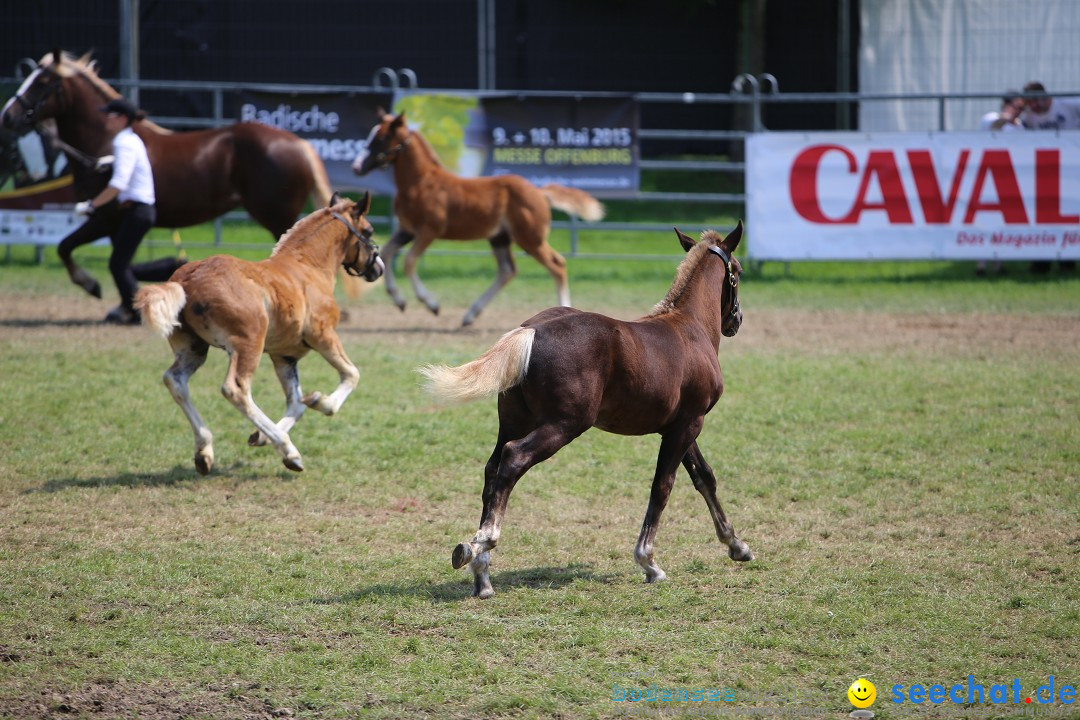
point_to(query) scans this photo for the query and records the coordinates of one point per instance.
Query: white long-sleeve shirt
(131, 173)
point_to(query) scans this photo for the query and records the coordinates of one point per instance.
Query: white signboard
(37, 227)
(956, 196)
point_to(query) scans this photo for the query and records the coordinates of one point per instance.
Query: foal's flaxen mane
(685, 273)
(305, 226)
(84, 66)
(308, 226)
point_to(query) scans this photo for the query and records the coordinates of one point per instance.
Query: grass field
(899, 444)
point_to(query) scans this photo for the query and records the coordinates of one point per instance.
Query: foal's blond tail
(160, 306)
(574, 201)
(499, 369)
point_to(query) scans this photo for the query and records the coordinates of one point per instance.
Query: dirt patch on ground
(43, 317)
(867, 332)
(150, 702)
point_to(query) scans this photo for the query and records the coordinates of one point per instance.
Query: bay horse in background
(431, 202)
(283, 306)
(564, 371)
(198, 175)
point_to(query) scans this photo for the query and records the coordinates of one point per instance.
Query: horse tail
(574, 201)
(499, 369)
(321, 192)
(160, 306)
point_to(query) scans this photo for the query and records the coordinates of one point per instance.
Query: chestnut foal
(283, 306)
(431, 202)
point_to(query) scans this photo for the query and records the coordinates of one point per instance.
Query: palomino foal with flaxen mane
(283, 306)
(431, 202)
(564, 371)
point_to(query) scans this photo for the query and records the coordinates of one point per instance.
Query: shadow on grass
(419, 330)
(42, 322)
(549, 578)
(174, 476)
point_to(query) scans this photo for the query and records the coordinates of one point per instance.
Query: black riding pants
(125, 224)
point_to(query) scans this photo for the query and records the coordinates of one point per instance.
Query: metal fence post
(755, 106)
(129, 46)
(481, 45)
(573, 235)
(389, 73)
(219, 120)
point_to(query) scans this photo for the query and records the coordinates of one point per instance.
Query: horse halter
(733, 280)
(374, 248)
(383, 159)
(55, 87)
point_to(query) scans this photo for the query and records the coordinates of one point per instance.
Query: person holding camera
(1007, 119)
(123, 211)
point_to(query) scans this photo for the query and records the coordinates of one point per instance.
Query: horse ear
(334, 200)
(365, 204)
(733, 238)
(686, 241)
(398, 121)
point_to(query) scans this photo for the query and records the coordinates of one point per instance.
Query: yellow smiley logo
(862, 693)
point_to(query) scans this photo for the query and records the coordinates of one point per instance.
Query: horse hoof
(257, 439)
(294, 464)
(91, 286)
(740, 552)
(86, 281)
(467, 321)
(463, 555)
(203, 464)
(484, 593)
(658, 576)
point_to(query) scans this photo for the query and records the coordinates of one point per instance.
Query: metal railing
(386, 78)
(752, 93)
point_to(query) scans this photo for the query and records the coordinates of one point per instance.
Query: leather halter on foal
(733, 281)
(351, 269)
(384, 159)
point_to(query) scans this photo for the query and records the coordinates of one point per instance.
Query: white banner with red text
(893, 196)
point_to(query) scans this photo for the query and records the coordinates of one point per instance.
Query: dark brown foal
(564, 371)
